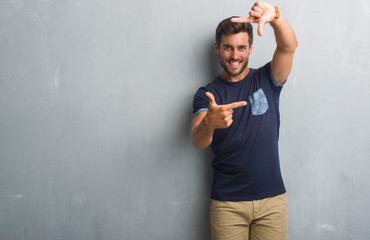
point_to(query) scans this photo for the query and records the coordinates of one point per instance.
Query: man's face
(234, 53)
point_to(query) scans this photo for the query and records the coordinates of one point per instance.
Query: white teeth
(234, 63)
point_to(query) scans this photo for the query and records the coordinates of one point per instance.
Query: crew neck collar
(251, 70)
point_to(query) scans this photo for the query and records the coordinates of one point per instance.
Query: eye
(242, 48)
(227, 48)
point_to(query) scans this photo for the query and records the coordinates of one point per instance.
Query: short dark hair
(226, 27)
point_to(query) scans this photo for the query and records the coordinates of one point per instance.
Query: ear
(251, 49)
(217, 49)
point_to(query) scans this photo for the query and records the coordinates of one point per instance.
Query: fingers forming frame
(243, 19)
(257, 9)
(259, 4)
(255, 14)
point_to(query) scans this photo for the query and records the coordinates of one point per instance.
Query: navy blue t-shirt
(246, 164)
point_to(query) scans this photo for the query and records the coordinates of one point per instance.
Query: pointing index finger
(235, 105)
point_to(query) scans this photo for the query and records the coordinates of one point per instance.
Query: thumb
(260, 28)
(211, 98)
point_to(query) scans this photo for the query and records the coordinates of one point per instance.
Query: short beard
(234, 74)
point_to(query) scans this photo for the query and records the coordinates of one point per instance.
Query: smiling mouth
(234, 63)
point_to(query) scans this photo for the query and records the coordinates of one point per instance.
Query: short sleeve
(266, 72)
(200, 101)
(276, 84)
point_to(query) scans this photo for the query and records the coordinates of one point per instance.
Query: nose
(234, 54)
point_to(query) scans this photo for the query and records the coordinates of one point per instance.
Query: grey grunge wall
(95, 113)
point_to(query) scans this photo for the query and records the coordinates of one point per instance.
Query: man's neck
(237, 78)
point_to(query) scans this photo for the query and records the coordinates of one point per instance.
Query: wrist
(205, 124)
(277, 14)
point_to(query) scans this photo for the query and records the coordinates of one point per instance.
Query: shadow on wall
(213, 67)
(211, 70)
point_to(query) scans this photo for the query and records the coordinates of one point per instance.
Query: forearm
(201, 136)
(286, 40)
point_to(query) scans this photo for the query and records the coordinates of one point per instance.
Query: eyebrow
(228, 45)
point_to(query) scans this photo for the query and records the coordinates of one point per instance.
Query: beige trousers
(265, 219)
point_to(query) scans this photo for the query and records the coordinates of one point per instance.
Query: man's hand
(205, 123)
(261, 13)
(286, 41)
(220, 116)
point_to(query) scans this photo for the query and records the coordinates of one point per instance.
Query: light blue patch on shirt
(200, 110)
(259, 102)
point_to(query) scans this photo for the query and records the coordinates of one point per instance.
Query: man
(238, 115)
